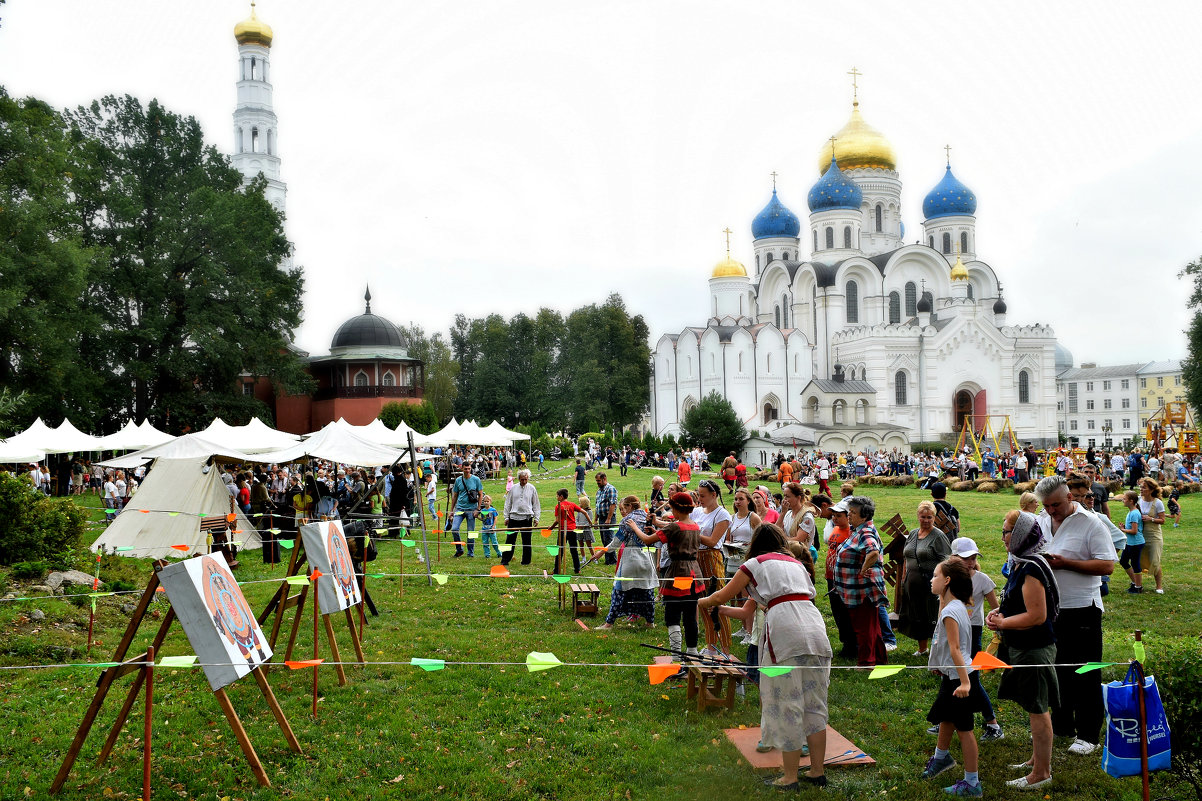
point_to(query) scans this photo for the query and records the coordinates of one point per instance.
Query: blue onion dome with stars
(775, 220)
(835, 190)
(949, 198)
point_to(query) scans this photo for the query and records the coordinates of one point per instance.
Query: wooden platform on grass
(839, 750)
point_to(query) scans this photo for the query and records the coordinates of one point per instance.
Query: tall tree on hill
(714, 425)
(43, 268)
(189, 289)
(606, 365)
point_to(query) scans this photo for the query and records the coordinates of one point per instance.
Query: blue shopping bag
(1121, 757)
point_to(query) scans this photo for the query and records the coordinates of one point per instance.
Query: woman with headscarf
(1024, 620)
(925, 548)
(793, 705)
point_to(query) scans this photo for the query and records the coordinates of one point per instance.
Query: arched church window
(689, 364)
(861, 411)
(880, 215)
(815, 239)
(838, 412)
(964, 241)
(830, 237)
(813, 411)
(769, 257)
(911, 299)
(970, 292)
(740, 363)
(388, 380)
(360, 379)
(1024, 386)
(240, 144)
(847, 236)
(899, 388)
(894, 307)
(814, 308)
(770, 413)
(785, 255)
(931, 241)
(270, 141)
(796, 363)
(853, 302)
(254, 140)
(776, 310)
(740, 305)
(254, 69)
(784, 311)
(757, 261)
(947, 242)
(768, 364)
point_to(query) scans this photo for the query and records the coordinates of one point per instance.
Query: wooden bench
(714, 685)
(585, 599)
(219, 528)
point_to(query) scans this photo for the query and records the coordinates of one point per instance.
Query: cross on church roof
(774, 180)
(728, 232)
(855, 74)
(948, 150)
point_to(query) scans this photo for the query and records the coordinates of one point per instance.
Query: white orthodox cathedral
(869, 342)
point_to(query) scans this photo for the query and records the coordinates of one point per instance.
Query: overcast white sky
(483, 156)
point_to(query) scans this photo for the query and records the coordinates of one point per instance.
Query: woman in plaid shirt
(860, 582)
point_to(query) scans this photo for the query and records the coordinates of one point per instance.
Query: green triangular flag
(441, 578)
(173, 514)
(504, 548)
(536, 661)
(561, 579)
(177, 661)
(408, 543)
(110, 511)
(775, 671)
(428, 664)
(1088, 666)
(381, 531)
(553, 550)
(882, 671)
(1140, 654)
(124, 548)
(297, 581)
(375, 575)
(287, 543)
(95, 664)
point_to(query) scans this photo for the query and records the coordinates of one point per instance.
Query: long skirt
(793, 705)
(631, 602)
(870, 648)
(717, 627)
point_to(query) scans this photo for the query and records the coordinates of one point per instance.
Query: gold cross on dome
(947, 149)
(774, 180)
(855, 74)
(728, 232)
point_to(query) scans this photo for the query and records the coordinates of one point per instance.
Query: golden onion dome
(728, 268)
(959, 271)
(858, 144)
(252, 30)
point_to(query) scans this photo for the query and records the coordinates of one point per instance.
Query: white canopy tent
(468, 434)
(500, 435)
(257, 436)
(166, 511)
(189, 446)
(337, 442)
(64, 439)
(152, 435)
(19, 454)
(128, 438)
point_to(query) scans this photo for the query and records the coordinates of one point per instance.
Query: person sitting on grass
(960, 695)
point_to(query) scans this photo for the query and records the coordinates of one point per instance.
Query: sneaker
(890, 647)
(1160, 590)
(761, 748)
(934, 729)
(992, 733)
(922, 653)
(1021, 783)
(1133, 590)
(935, 766)
(1081, 747)
(963, 788)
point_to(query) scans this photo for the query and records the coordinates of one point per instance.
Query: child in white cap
(964, 549)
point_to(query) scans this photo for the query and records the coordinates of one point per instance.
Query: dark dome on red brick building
(367, 331)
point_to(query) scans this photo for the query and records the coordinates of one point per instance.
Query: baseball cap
(964, 547)
(841, 506)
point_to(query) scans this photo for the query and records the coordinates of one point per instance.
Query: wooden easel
(282, 601)
(137, 664)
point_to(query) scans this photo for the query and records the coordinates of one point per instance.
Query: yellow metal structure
(1172, 426)
(975, 435)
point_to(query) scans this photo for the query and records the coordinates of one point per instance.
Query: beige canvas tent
(181, 486)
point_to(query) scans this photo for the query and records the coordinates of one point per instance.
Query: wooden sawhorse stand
(283, 600)
(714, 685)
(137, 665)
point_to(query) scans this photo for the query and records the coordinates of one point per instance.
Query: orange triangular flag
(546, 532)
(144, 511)
(985, 662)
(499, 571)
(682, 582)
(231, 517)
(659, 673)
(182, 547)
(303, 663)
(316, 574)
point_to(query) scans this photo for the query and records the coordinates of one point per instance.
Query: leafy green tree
(714, 425)
(605, 365)
(1191, 367)
(441, 372)
(189, 288)
(421, 417)
(43, 267)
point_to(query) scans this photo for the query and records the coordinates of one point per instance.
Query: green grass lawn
(500, 731)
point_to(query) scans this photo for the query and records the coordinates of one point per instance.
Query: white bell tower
(256, 135)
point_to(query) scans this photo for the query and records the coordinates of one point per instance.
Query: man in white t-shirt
(112, 500)
(1080, 553)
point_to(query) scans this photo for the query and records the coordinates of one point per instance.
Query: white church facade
(869, 342)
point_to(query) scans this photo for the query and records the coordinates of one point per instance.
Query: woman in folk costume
(713, 522)
(680, 575)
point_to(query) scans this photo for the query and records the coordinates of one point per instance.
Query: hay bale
(962, 486)
(987, 486)
(1026, 486)
(1004, 483)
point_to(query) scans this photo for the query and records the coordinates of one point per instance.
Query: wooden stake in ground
(316, 614)
(146, 723)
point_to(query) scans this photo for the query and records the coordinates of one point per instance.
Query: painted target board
(327, 550)
(216, 617)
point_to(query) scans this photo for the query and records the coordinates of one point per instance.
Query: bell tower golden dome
(857, 144)
(252, 30)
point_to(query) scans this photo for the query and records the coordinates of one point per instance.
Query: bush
(36, 527)
(29, 570)
(421, 417)
(1177, 666)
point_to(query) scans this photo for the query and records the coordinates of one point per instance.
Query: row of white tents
(367, 445)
